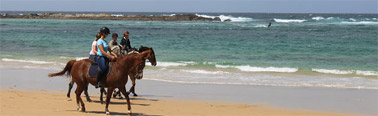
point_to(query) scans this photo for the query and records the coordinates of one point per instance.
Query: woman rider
(102, 49)
(93, 52)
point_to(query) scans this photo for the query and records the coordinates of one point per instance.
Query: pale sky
(242, 6)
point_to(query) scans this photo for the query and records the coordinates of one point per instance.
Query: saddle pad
(94, 69)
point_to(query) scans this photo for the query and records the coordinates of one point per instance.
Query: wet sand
(24, 91)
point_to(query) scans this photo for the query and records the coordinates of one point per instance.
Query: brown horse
(117, 77)
(151, 59)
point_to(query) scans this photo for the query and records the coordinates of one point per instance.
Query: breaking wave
(289, 20)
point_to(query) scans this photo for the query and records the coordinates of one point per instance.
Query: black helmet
(105, 30)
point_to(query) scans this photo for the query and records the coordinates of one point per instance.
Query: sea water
(304, 50)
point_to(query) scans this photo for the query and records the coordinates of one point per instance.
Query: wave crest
(289, 20)
(26, 61)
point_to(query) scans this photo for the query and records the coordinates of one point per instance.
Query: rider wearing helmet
(102, 49)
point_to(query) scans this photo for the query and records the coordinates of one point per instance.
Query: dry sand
(53, 102)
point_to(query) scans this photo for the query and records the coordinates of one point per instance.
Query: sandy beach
(42, 102)
(31, 92)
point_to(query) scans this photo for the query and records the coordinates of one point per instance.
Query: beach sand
(31, 92)
(44, 103)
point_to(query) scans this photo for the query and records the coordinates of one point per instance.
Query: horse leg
(132, 89)
(86, 94)
(102, 90)
(108, 97)
(70, 85)
(78, 92)
(119, 94)
(123, 90)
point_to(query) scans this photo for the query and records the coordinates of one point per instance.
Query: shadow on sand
(114, 113)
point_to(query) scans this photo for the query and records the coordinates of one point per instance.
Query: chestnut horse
(151, 59)
(117, 78)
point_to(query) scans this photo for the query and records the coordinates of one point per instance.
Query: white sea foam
(367, 73)
(229, 17)
(80, 58)
(205, 72)
(222, 66)
(352, 19)
(266, 69)
(317, 18)
(361, 22)
(332, 71)
(167, 64)
(26, 61)
(330, 18)
(260, 26)
(116, 15)
(289, 20)
(169, 15)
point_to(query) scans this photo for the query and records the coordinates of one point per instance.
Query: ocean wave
(289, 20)
(367, 73)
(205, 72)
(317, 18)
(167, 64)
(222, 66)
(260, 26)
(26, 61)
(361, 22)
(266, 69)
(116, 15)
(264, 84)
(336, 71)
(332, 71)
(229, 17)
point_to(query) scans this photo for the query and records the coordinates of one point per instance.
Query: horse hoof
(107, 113)
(89, 100)
(82, 110)
(135, 95)
(69, 99)
(129, 112)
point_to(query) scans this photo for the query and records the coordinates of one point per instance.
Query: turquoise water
(311, 44)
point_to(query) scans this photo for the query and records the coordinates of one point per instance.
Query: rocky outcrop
(178, 17)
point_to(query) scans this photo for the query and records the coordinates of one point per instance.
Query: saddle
(94, 69)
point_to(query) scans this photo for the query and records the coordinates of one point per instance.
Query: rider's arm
(94, 47)
(103, 52)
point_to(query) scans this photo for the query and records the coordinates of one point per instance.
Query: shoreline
(332, 100)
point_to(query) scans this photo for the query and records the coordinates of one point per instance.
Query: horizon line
(187, 12)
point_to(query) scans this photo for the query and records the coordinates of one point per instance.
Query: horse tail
(66, 69)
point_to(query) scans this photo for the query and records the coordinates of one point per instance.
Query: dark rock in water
(178, 17)
(227, 20)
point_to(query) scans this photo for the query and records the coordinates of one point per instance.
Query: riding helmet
(105, 30)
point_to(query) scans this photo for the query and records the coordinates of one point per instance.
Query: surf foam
(332, 71)
(317, 18)
(229, 17)
(289, 20)
(26, 61)
(205, 72)
(266, 69)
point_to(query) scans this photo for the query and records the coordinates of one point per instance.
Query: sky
(222, 6)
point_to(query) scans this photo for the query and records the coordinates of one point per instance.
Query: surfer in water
(270, 24)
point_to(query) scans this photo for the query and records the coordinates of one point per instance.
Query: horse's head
(150, 52)
(137, 69)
